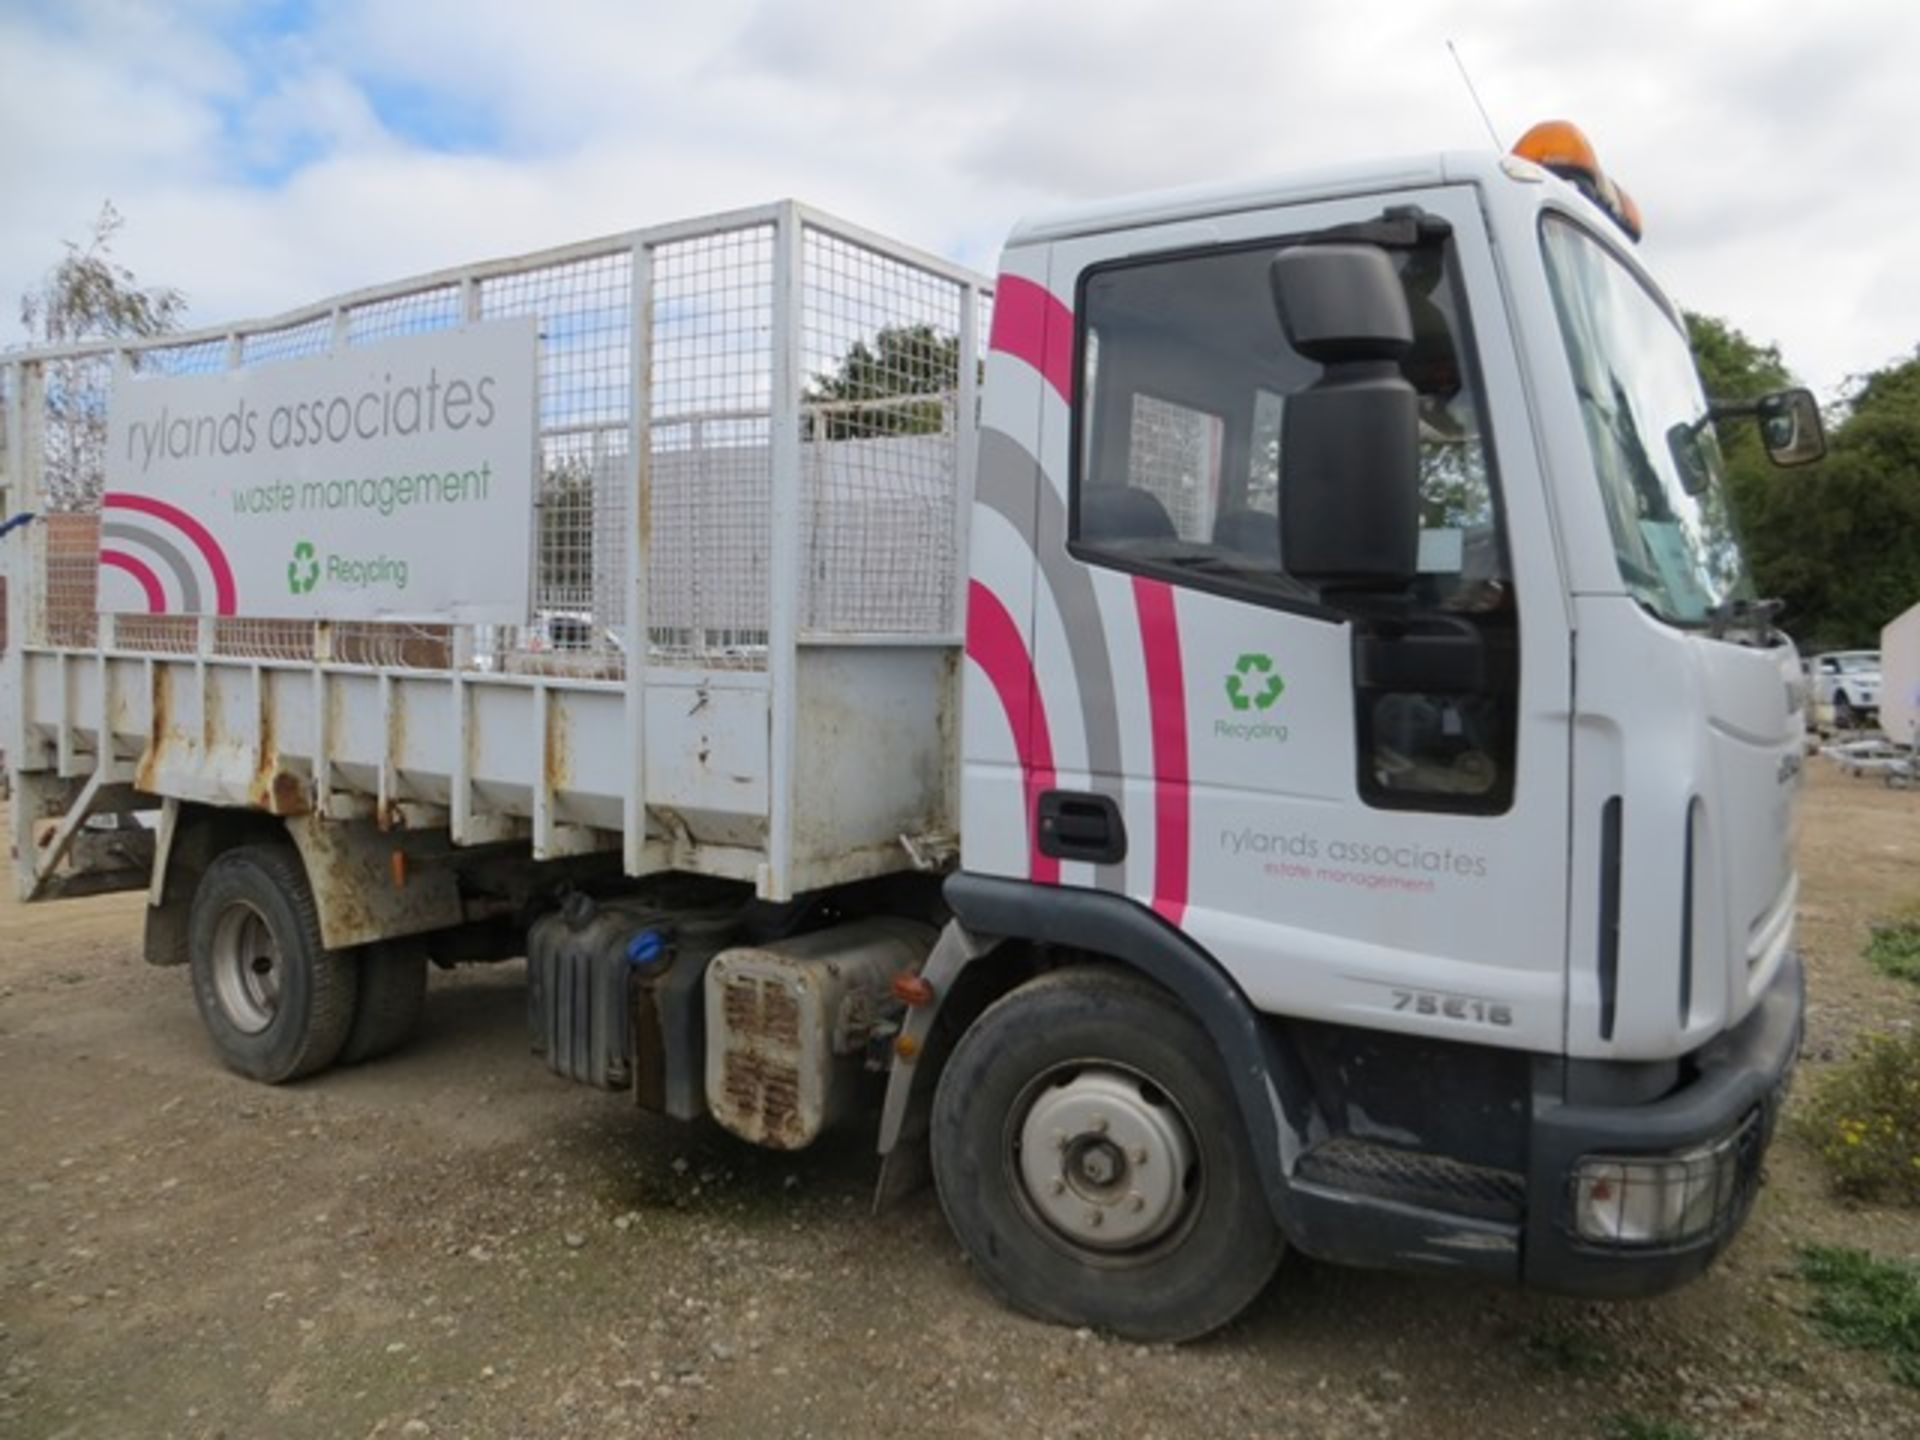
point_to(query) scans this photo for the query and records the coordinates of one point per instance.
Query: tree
(1839, 541)
(87, 296)
(871, 392)
(1866, 532)
(1732, 367)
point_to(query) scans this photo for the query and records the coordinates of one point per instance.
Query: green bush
(1867, 1304)
(1895, 950)
(1864, 1120)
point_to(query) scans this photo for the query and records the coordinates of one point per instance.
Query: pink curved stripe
(995, 644)
(1167, 712)
(1030, 325)
(143, 573)
(225, 601)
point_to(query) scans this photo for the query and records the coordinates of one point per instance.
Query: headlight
(1655, 1199)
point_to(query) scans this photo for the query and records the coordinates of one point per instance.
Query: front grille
(1414, 1177)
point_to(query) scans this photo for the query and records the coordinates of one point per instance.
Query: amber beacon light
(1562, 147)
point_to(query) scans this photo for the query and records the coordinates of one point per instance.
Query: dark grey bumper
(1739, 1083)
(1736, 1088)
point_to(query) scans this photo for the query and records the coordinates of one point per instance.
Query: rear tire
(393, 994)
(1091, 1093)
(276, 1002)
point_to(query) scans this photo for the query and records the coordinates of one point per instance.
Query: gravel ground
(454, 1243)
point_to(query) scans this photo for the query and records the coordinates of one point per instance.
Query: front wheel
(1090, 1158)
(276, 1002)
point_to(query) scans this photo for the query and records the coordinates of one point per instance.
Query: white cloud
(257, 172)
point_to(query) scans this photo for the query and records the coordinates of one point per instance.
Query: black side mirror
(1350, 442)
(1790, 427)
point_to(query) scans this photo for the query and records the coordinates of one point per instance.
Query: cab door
(1353, 838)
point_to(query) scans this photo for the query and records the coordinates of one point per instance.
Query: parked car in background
(1845, 689)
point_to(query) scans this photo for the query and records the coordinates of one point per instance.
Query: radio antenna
(1474, 95)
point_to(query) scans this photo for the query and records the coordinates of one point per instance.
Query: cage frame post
(638, 536)
(783, 561)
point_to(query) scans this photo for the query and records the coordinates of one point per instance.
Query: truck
(1249, 730)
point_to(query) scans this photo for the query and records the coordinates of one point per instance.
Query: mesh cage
(881, 379)
(585, 310)
(881, 341)
(711, 452)
(288, 342)
(69, 428)
(196, 357)
(440, 308)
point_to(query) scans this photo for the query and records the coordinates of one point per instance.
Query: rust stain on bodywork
(558, 760)
(270, 788)
(160, 717)
(387, 814)
(290, 794)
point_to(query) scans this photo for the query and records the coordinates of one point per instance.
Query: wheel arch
(999, 929)
(192, 836)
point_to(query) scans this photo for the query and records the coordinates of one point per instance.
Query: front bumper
(1737, 1088)
(1519, 1226)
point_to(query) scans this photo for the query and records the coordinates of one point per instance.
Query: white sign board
(385, 482)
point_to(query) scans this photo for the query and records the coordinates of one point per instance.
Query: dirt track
(452, 1242)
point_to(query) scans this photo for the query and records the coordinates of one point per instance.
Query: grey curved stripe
(175, 561)
(1011, 484)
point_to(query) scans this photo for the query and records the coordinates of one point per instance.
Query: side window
(1183, 396)
(1185, 385)
(1174, 456)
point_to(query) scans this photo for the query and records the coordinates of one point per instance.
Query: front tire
(276, 1002)
(1090, 1157)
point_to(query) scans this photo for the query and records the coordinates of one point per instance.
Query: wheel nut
(1060, 1141)
(1136, 1202)
(1140, 1155)
(1059, 1187)
(1098, 1125)
(1096, 1219)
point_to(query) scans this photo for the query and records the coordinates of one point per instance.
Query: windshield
(1647, 425)
(1861, 664)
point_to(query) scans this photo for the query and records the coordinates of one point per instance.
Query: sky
(272, 153)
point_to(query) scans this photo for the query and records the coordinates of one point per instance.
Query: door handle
(1079, 825)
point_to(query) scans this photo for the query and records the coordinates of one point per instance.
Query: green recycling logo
(303, 570)
(1254, 684)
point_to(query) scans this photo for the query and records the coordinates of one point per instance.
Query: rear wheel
(1091, 1160)
(392, 997)
(276, 1002)
(1845, 717)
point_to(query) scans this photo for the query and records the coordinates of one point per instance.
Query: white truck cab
(1359, 639)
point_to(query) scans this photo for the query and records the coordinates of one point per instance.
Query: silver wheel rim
(247, 968)
(1104, 1158)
